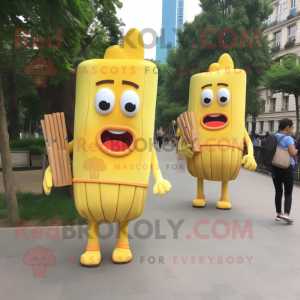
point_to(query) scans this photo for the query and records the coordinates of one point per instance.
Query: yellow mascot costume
(112, 147)
(217, 99)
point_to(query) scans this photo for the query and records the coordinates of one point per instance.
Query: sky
(143, 14)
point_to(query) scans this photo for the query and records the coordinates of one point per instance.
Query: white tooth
(214, 116)
(116, 132)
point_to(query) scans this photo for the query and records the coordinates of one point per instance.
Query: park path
(25, 181)
(261, 262)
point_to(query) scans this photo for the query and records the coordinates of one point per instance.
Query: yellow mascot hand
(249, 162)
(161, 186)
(48, 181)
(188, 151)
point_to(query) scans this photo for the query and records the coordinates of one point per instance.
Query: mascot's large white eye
(130, 103)
(207, 97)
(104, 101)
(223, 96)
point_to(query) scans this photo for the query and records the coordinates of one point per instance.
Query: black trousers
(160, 140)
(283, 177)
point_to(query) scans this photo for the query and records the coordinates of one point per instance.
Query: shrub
(27, 142)
(34, 150)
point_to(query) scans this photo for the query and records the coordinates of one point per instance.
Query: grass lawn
(42, 210)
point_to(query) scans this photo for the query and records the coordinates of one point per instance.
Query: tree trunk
(297, 116)
(29, 128)
(61, 98)
(253, 127)
(11, 198)
(14, 126)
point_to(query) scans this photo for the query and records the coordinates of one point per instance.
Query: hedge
(34, 150)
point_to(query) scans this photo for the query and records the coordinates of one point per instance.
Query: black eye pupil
(130, 107)
(207, 100)
(223, 99)
(103, 105)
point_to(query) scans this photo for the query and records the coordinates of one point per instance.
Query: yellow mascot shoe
(223, 204)
(122, 253)
(199, 202)
(92, 256)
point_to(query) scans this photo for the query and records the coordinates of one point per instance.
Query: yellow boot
(224, 201)
(92, 256)
(122, 253)
(200, 201)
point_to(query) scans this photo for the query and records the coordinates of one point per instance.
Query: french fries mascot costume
(112, 155)
(217, 99)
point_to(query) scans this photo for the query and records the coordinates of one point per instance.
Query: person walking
(284, 176)
(263, 141)
(160, 135)
(257, 141)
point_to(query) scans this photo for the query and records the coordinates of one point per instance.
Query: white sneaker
(278, 217)
(287, 219)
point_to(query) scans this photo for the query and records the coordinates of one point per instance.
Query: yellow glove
(188, 151)
(161, 186)
(249, 162)
(48, 181)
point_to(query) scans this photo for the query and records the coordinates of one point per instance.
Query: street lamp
(173, 125)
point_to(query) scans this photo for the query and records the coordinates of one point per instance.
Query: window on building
(294, 4)
(279, 12)
(271, 126)
(277, 39)
(264, 106)
(269, 20)
(292, 33)
(285, 104)
(273, 104)
(261, 126)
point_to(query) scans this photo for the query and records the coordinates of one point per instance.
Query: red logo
(39, 258)
(40, 68)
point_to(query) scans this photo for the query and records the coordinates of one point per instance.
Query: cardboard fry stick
(63, 121)
(187, 121)
(44, 132)
(59, 148)
(194, 133)
(50, 150)
(45, 137)
(185, 128)
(64, 150)
(55, 151)
(182, 130)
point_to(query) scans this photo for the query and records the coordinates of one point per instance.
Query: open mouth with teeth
(116, 140)
(214, 121)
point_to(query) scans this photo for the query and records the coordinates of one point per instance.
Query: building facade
(283, 26)
(173, 17)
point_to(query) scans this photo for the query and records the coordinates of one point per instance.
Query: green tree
(100, 30)
(16, 84)
(284, 77)
(165, 111)
(254, 107)
(45, 19)
(232, 26)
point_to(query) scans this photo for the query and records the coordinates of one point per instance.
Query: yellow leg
(200, 201)
(122, 253)
(92, 256)
(224, 202)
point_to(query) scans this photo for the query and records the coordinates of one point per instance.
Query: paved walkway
(25, 181)
(222, 266)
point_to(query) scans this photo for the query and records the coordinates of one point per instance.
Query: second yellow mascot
(218, 99)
